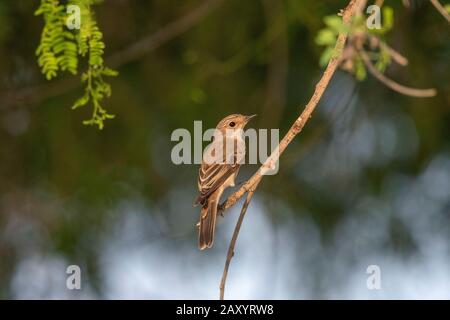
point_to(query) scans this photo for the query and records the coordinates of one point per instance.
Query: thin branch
(162, 36)
(420, 93)
(300, 122)
(230, 253)
(441, 9)
(396, 56)
(36, 94)
(250, 186)
(240, 58)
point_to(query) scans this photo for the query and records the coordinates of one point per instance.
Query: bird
(220, 165)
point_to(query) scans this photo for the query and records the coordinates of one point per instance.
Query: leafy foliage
(61, 48)
(57, 49)
(327, 37)
(96, 89)
(359, 34)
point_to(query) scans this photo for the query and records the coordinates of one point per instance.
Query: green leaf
(326, 56)
(109, 72)
(360, 70)
(384, 60)
(335, 23)
(388, 19)
(81, 101)
(325, 37)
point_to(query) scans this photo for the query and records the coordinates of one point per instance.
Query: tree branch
(251, 185)
(396, 56)
(441, 9)
(162, 36)
(230, 253)
(420, 93)
(300, 122)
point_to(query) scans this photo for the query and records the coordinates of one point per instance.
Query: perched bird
(218, 170)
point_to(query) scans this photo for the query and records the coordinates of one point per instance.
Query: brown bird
(219, 168)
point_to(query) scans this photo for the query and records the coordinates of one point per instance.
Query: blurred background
(367, 182)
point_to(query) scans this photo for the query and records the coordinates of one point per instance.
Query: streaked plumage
(218, 171)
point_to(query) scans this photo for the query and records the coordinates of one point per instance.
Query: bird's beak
(248, 118)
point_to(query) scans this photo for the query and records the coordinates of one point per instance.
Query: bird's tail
(207, 224)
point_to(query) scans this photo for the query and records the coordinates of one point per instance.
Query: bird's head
(234, 122)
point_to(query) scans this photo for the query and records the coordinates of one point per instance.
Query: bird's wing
(212, 175)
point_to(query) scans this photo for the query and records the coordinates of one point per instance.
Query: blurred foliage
(328, 36)
(333, 26)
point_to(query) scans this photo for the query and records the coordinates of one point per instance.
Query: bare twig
(243, 55)
(396, 56)
(36, 94)
(300, 122)
(230, 253)
(250, 186)
(420, 93)
(439, 7)
(162, 36)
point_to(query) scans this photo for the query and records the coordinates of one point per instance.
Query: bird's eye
(232, 124)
